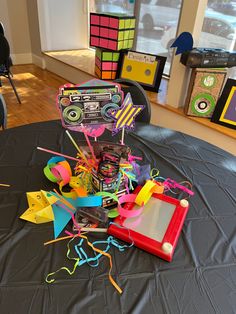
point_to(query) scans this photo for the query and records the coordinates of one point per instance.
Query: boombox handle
(139, 97)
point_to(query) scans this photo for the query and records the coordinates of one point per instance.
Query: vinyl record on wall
(203, 104)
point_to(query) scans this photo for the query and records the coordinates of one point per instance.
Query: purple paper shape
(231, 110)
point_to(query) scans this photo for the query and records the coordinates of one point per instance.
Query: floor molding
(21, 58)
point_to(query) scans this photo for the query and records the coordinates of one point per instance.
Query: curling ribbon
(70, 272)
(173, 184)
(147, 190)
(83, 258)
(110, 260)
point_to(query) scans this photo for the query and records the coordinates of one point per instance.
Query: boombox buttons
(116, 99)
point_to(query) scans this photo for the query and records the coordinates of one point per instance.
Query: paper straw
(122, 136)
(90, 146)
(56, 153)
(3, 184)
(76, 146)
(93, 229)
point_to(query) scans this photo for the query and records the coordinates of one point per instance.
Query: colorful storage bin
(106, 63)
(112, 31)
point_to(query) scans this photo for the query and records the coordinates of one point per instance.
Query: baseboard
(39, 61)
(21, 58)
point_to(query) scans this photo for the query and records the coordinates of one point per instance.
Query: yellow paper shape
(40, 209)
(137, 70)
(146, 192)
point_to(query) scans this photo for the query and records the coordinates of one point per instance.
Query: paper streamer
(147, 190)
(128, 198)
(89, 201)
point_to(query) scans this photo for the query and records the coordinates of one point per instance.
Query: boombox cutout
(203, 92)
(83, 105)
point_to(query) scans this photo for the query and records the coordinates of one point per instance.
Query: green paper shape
(107, 56)
(99, 53)
(125, 44)
(116, 56)
(121, 35)
(130, 43)
(126, 34)
(120, 45)
(132, 23)
(113, 213)
(131, 34)
(121, 24)
(127, 23)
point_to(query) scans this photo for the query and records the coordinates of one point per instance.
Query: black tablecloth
(200, 279)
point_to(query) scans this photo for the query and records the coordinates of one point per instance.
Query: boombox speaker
(203, 92)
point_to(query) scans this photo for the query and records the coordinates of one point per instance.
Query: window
(154, 18)
(219, 28)
(156, 27)
(112, 6)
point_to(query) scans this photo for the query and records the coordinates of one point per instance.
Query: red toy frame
(164, 249)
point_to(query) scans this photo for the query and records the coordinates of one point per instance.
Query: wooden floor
(37, 89)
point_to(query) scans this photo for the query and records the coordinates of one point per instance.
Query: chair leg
(14, 88)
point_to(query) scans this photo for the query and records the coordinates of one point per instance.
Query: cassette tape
(89, 108)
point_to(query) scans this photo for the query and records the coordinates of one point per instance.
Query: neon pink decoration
(112, 45)
(128, 198)
(173, 185)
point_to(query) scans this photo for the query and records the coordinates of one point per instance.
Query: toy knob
(184, 203)
(167, 247)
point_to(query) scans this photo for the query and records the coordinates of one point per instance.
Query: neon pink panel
(114, 23)
(94, 19)
(112, 45)
(104, 21)
(113, 34)
(107, 66)
(94, 41)
(104, 32)
(114, 66)
(94, 30)
(103, 43)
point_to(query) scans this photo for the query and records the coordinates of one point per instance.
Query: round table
(200, 279)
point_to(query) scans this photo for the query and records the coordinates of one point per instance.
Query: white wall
(168, 119)
(62, 26)
(13, 14)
